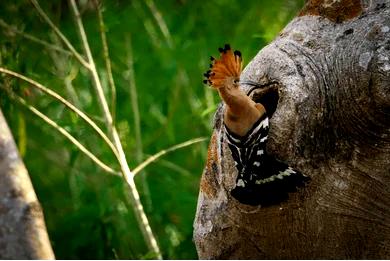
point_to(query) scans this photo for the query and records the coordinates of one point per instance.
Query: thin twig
(96, 80)
(163, 152)
(33, 38)
(60, 34)
(148, 24)
(107, 60)
(59, 98)
(137, 120)
(126, 172)
(161, 22)
(173, 166)
(72, 139)
(134, 99)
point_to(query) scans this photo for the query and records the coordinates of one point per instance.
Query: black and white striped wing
(262, 180)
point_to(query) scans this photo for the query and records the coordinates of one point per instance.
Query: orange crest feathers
(229, 65)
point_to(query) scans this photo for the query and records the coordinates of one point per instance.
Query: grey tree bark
(330, 67)
(23, 232)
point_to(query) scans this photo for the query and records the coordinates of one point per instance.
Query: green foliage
(168, 43)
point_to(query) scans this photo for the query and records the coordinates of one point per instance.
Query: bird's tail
(229, 65)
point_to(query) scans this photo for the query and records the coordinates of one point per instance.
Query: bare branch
(163, 152)
(161, 22)
(61, 130)
(96, 80)
(33, 38)
(126, 172)
(60, 34)
(66, 103)
(137, 121)
(107, 60)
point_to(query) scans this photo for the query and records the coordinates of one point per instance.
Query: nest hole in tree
(267, 95)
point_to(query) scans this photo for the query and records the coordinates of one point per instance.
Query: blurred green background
(159, 49)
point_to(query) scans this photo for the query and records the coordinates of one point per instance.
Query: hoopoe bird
(261, 180)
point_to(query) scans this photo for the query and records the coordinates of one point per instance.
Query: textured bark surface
(332, 69)
(22, 228)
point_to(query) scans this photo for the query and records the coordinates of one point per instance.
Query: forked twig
(137, 119)
(126, 172)
(60, 34)
(58, 97)
(64, 132)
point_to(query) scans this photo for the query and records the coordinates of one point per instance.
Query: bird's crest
(229, 65)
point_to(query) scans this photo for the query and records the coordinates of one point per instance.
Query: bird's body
(261, 179)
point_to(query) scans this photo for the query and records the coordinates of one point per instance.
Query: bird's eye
(236, 81)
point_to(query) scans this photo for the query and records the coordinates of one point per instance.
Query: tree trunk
(22, 227)
(331, 67)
